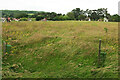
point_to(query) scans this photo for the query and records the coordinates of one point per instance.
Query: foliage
(106, 30)
(23, 19)
(20, 15)
(39, 17)
(71, 15)
(81, 17)
(75, 14)
(115, 18)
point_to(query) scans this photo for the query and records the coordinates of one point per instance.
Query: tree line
(75, 14)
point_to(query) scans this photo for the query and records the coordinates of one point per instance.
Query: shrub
(39, 17)
(33, 19)
(23, 19)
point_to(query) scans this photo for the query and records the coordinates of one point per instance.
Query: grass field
(60, 49)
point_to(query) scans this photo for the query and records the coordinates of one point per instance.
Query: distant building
(8, 19)
(3, 19)
(14, 19)
(29, 19)
(88, 19)
(100, 19)
(45, 19)
(105, 20)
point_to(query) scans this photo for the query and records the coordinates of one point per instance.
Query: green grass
(60, 49)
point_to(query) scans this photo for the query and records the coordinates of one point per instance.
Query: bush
(66, 17)
(39, 17)
(33, 19)
(23, 19)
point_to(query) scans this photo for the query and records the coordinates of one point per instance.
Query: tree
(52, 15)
(81, 17)
(115, 18)
(71, 15)
(94, 16)
(76, 13)
(20, 15)
(59, 18)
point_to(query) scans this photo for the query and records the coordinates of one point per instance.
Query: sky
(59, 6)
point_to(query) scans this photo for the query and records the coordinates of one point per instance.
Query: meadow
(60, 49)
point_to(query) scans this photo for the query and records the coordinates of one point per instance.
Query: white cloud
(59, 6)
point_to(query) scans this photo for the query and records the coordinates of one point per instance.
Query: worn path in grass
(60, 49)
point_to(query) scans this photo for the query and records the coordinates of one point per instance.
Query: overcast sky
(59, 6)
